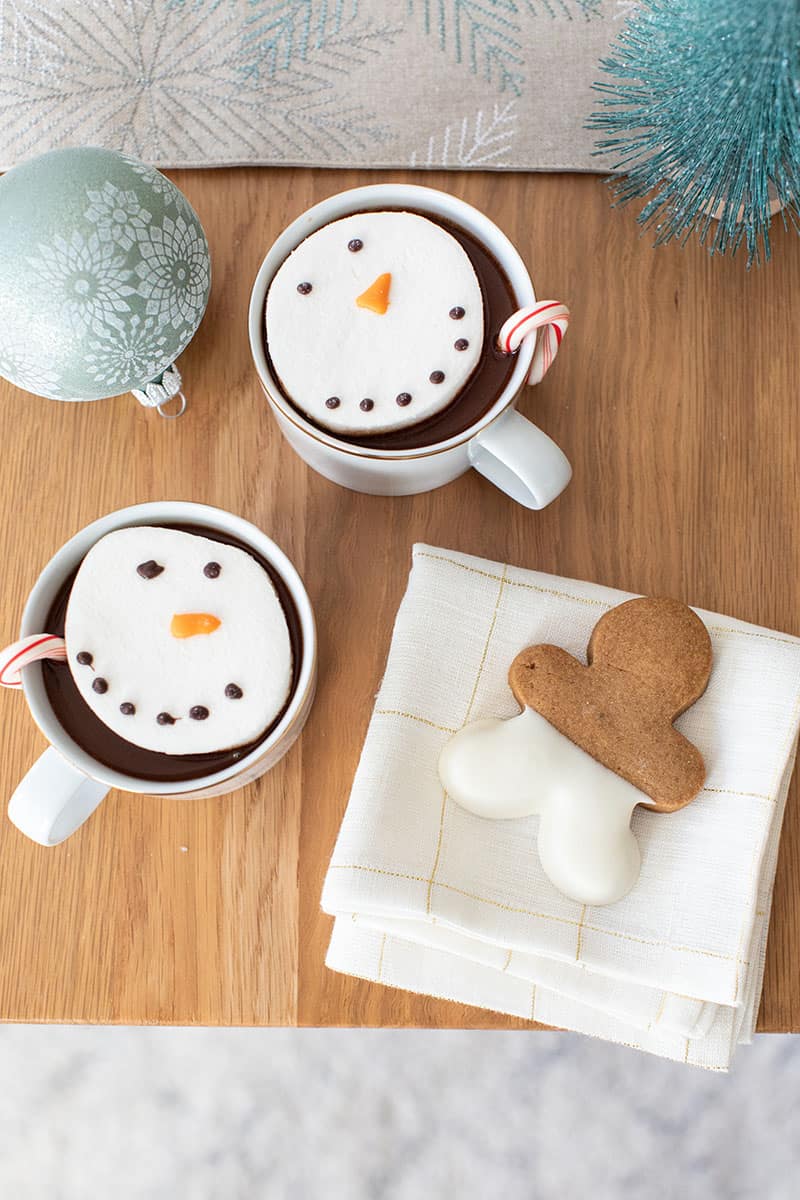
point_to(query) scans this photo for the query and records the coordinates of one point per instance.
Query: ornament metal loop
(172, 416)
(158, 394)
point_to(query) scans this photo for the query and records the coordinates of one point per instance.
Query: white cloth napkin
(430, 898)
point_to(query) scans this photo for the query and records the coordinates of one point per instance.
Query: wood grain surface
(675, 397)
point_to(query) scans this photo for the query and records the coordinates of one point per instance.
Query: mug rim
(72, 552)
(368, 198)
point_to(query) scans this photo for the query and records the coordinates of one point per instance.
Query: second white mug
(66, 784)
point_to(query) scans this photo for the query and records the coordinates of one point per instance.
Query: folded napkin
(430, 898)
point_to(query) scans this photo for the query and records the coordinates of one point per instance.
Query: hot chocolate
(419, 340)
(151, 693)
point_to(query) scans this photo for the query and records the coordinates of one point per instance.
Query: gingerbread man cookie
(591, 743)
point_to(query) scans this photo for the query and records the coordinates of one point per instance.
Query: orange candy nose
(184, 625)
(376, 297)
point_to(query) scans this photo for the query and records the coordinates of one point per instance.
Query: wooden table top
(675, 399)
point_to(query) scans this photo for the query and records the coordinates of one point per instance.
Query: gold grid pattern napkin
(430, 898)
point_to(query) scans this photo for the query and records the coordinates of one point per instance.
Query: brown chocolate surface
(487, 380)
(649, 660)
(78, 720)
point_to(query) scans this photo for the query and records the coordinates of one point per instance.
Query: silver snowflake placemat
(373, 83)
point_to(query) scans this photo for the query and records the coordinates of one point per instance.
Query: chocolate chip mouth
(197, 712)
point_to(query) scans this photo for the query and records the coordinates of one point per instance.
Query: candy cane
(26, 651)
(549, 316)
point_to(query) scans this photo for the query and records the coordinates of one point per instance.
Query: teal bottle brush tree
(701, 114)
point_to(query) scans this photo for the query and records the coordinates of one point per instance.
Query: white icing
(523, 766)
(124, 622)
(323, 344)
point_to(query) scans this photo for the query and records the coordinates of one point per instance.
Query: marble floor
(242, 1114)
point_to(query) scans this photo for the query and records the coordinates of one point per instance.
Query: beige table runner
(373, 83)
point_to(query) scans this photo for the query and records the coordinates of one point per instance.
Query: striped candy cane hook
(26, 651)
(549, 316)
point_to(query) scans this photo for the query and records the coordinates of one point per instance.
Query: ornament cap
(158, 393)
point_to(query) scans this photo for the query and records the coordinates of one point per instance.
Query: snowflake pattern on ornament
(87, 276)
(117, 214)
(135, 352)
(95, 277)
(159, 183)
(173, 273)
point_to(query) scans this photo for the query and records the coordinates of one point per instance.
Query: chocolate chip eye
(100, 685)
(355, 244)
(127, 709)
(233, 691)
(165, 718)
(211, 570)
(149, 569)
(199, 712)
(304, 288)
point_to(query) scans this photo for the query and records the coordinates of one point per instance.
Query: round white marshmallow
(124, 620)
(325, 347)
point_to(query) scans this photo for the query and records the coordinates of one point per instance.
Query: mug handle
(521, 460)
(53, 800)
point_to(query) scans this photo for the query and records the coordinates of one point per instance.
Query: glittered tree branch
(702, 117)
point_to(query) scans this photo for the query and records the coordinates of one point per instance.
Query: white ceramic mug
(503, 445)
(65, 785)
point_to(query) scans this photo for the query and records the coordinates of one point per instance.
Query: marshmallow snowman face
(375, 322)
(178, 643)
(523, 766)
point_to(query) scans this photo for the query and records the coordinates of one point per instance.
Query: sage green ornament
(104, 277)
